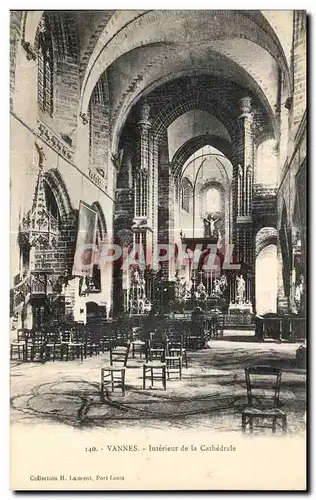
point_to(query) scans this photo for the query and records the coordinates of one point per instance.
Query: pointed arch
(101, 219)
(58, 187)
(194, 144)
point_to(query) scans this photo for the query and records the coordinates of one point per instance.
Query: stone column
(243, 234)
(142, 208)
(143, 192)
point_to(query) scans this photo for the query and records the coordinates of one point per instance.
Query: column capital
(245, 108)
(144, 111)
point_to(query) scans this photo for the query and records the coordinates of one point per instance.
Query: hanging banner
(86, 241)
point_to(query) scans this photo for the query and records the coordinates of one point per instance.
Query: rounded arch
(266, 283)
(240, 76)
(192, 145)
(265, 236)
(215, 104)
(202, 157)
(137, 27)
(211, 184)
(217, 200)
(58, 187)
(262, 137)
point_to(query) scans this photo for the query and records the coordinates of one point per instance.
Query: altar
(244, 308)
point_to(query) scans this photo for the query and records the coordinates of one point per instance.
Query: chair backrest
(176, 342)
(136, 332)
(22, 334)
(67, 336)
(52, 336)
(263, 384)
(37, 337)
(156, 347)
(119, 354)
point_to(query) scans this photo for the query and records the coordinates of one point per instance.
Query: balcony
(264, 202)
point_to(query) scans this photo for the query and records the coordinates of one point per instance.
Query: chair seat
(154, 364)
(18, 343)
(138, 343)
(272, 412)
(114, 368)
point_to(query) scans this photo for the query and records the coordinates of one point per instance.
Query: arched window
(239, 191)
(51, 203)
(186, 195)
(267, 163)
(213, 200)
(45, 67)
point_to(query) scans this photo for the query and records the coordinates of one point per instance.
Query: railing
(55, 141)
(281, 328)
(264, 200)
(238, 320)
(262, 191)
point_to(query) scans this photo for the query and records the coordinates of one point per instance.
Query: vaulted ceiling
(139, 50)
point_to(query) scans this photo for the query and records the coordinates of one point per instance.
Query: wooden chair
(173, 360)
(106, 342)
(195, 342)
(72, 345)
(114, 374)
(176, 347)
(92, 344)
(53, 346)
(138, 345)
(75, 350)
(261, 381)
(155, 361)
(18, 345)
(35, 345)
(156, 349)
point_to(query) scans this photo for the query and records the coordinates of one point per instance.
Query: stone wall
(299, 68)
(100, 126)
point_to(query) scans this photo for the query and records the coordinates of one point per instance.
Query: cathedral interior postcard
(158, 242)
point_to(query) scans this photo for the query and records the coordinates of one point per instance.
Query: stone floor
(211, 394)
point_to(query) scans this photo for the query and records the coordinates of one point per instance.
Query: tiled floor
(211, 393)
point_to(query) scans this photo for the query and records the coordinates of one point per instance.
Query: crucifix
(209, 225)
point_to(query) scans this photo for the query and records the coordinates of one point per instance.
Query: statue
(136, 277)
(188, 289)
(219, 240)
(209, 225)
(217, 287)
(200, 293)
(223, 282)
(240, 289)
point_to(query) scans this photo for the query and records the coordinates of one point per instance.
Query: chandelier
(39, 226)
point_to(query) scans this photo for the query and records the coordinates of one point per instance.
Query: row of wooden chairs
(262, 411)
(262, 382)
(163, 358)
(58, 345)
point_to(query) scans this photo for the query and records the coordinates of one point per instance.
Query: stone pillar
(142, 208)
(299, 68)
(243, 234)
(166, 201)
(143, 194)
